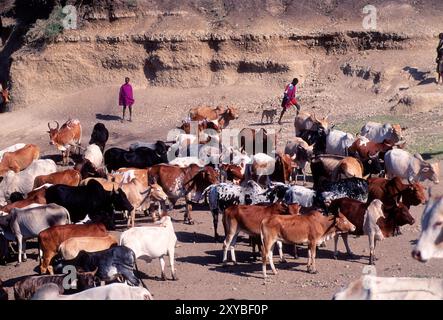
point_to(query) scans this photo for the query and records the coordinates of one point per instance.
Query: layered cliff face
(207, 43)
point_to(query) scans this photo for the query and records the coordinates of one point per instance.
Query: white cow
(370, 287)
(153, 242)
(402, 164)
(114, 291)
(26, 223)
(430, 243)
(338, 142)
(23, 181)
(378, 132)
(12, 148)
(301, 195)
(94, 155)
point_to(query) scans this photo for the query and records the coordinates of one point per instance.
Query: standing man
(126, 98)
(440, 57)
(289, 98)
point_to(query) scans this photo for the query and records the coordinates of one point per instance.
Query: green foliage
(46, 31)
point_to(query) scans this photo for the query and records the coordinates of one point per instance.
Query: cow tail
(136, 269)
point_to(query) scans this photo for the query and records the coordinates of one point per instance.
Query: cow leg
(280, 252)
(348, 248)
(215, 223)
(25, 257)
(271, 259)
(228, 243)
(311, 257)
(46, 264)
(188, 209)
(372, 243)
(20, 249)
(131, 219)
(336, 246)
(162, 266)
(295, 252)
(171, 253)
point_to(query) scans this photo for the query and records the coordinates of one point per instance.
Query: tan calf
(70, 248)
(247, 218)
(68, 177)
(313, 229)
(19, 159)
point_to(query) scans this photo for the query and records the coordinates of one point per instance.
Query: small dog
(269, 114)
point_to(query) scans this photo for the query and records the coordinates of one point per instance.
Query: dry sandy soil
(352, 78)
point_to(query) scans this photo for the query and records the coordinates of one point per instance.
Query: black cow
(16, 196)
(316, 138)
(108, 264)
(373, 165)
(91, 200)
(116, 158)
(354, 188)
(88, 170)
(99, 136)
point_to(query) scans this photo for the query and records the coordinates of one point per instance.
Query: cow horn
(58, 125)
(49, 125)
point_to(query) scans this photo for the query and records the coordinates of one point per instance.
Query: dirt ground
(198, 258)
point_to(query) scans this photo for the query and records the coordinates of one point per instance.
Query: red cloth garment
(290, 92)
(126, 97)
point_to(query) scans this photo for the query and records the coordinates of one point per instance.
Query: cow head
(342, 224)
(430, 243)
(231, 113)
(414, 195)
(320, 124)
(120, 201)
(400, 214)
(53, 132)
(156, 192)
(373, 165)
(430, 171)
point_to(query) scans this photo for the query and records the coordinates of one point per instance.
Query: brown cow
(390, 192)
(313, 229)
(355, 211)
(140, 174)
(219, 115)
(69, 135)
(333, 168)
(247, 218)
(232, 172)
(189, 182)
(35, 196)
(68, 177)
(51, 238)
(70, 248)
(283, 168)
(19, 159)
(364, 149)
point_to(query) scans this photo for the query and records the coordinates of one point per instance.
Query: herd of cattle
(362, 185)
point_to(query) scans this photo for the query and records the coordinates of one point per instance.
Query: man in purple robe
(126, 99)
